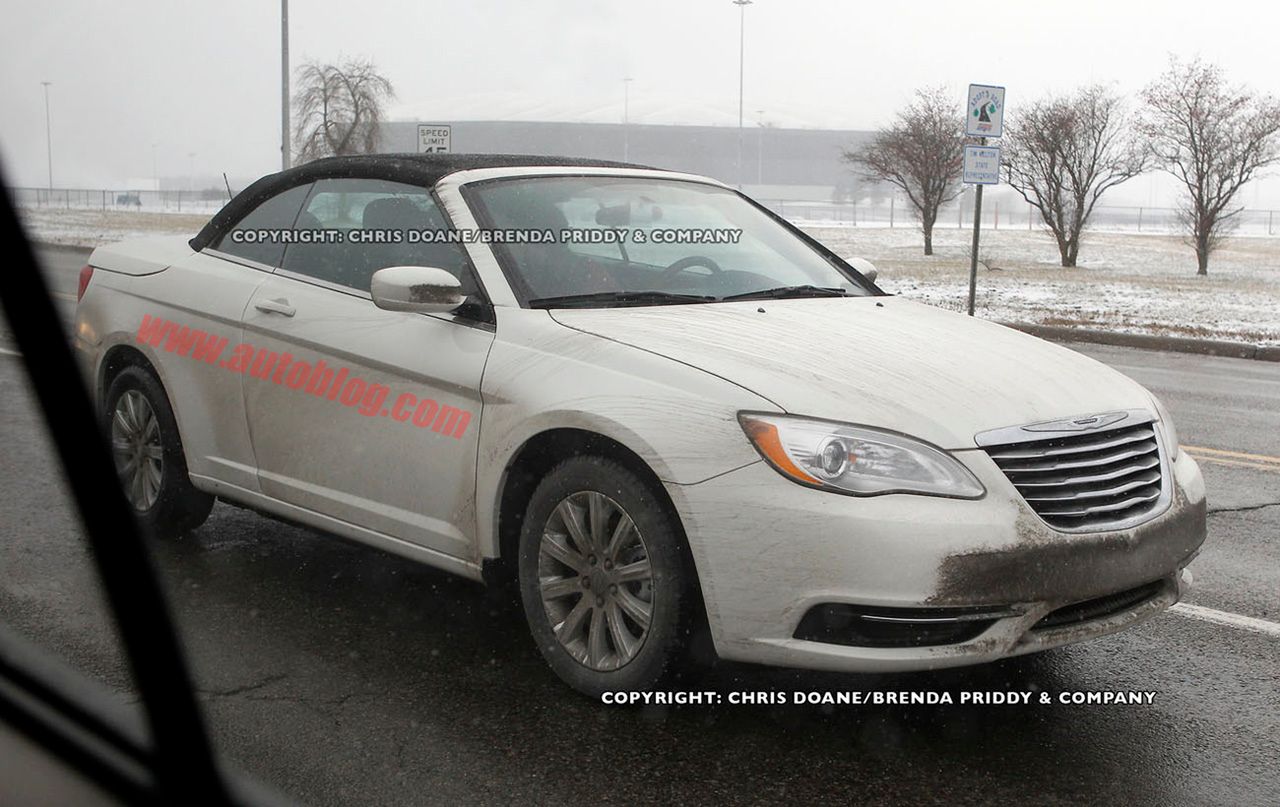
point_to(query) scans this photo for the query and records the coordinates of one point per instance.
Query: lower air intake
(1101, 607)
(857, 626)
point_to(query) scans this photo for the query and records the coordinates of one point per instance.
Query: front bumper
(767, 551)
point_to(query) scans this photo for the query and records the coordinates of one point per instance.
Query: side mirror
(865, 268)
(421, 289)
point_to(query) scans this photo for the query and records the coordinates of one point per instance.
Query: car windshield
(603, 241)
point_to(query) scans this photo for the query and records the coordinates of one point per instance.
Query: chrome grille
(1078, 479)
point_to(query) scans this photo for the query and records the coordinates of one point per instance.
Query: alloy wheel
(136, 446)
(596, 580)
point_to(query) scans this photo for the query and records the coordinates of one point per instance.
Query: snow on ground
(91, 228)
(1127, 282)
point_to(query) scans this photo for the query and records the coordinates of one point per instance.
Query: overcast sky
(203, 78)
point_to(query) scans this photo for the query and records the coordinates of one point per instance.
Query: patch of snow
(1126, 282)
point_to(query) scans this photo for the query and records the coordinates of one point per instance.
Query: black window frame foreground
(167, 757)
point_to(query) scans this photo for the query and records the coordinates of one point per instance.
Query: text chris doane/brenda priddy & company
(882, 698)
(514, 235)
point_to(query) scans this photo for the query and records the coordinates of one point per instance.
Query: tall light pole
(155, 170)
(284, 84)
(48, 132)
(626, 110)
(742, 44)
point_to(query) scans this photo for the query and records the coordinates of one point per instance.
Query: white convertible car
(661, 409)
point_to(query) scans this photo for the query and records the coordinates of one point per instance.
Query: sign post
(434, 138)
(984, 118)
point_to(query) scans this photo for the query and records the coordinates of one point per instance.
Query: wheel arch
(114, 361)
(533, 460)
(119, 357)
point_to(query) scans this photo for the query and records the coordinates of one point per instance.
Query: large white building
(777, 163)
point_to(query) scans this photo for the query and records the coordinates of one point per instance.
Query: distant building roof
(770, 155)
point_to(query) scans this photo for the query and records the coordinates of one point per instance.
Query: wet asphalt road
(343, 675)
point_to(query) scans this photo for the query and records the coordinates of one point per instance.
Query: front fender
(681, 421)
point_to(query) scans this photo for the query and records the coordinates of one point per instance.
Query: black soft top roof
(414, 169)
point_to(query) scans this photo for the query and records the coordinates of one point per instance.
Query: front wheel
(606, 589)
(148, 456)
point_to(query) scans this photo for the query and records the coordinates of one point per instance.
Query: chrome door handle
(278, 306)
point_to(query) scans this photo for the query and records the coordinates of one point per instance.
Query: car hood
(876, 361)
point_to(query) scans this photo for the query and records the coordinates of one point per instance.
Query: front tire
(607, 592)
(148, 456)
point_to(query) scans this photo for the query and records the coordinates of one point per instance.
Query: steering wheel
(688, 263)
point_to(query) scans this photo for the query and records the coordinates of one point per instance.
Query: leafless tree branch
(1061, 154)
(1213, 138)
(339, 108)
(921, 152)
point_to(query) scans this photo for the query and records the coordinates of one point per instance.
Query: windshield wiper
(619, 298)
(789, 291)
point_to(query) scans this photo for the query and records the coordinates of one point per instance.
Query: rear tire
(607, 591)
(148, 455)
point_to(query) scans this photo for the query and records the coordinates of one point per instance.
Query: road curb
(62, 247)
(1171, 344)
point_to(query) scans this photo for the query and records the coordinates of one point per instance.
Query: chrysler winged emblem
(1080, 424)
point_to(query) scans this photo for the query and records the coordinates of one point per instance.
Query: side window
(276, 214)
(378, 224)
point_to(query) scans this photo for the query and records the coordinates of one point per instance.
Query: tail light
(85, 275)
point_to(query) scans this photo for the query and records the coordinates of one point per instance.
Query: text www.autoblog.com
(318, 379)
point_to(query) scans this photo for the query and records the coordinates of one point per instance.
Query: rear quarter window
(277, 213)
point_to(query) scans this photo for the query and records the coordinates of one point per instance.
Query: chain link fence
(1005, 216)
(207, 200)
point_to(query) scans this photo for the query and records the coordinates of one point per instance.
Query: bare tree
(1212, 137)
(1061, 154)
(921, 152)
(339, 108)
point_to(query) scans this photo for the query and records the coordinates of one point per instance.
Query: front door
(368, 416)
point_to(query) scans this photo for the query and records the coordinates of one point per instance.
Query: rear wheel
(603, 579)
(148, 456)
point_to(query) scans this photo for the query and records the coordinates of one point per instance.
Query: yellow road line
(1235, 459)
(1235, 455)
(1232, 463)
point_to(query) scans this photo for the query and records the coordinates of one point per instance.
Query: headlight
(1166, 424)
(855, 459)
